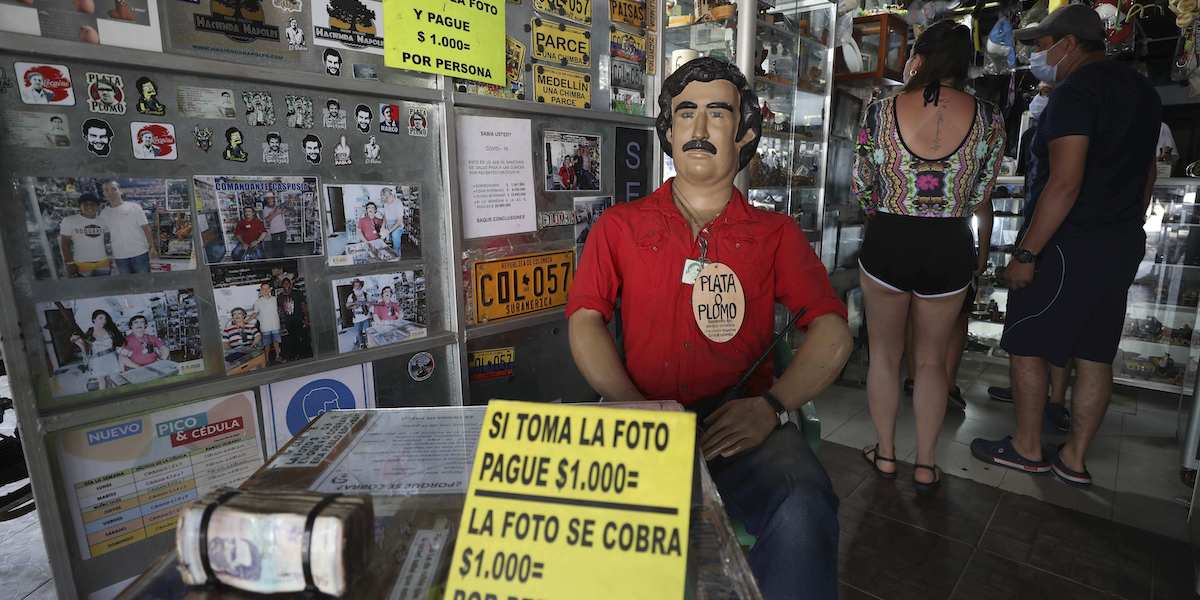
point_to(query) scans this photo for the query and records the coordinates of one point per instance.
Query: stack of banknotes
(256, 541)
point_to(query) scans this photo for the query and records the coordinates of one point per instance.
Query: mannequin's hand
(738, 426)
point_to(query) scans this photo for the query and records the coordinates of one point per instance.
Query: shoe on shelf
(1000, 394)
(956, 398)
(1058, 417)
(908, 386)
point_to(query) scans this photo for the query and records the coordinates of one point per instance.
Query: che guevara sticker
(561, 44)
(579, 11)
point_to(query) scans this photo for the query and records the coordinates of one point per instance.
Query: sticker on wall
(312, 149)
(260, 109)
(562, 87)
(572, 162)
(205, 103)
(6, 82)
(45, 84)
(299, 111)
(418, 121)
(627, 46)
(561, 44)
(362, 118)
(494, 363)
(148, 102)
(421, 366)
(371, 154)
(291, 6)
(629, 12)
(289, 405)
(334, 117)
(514, 74)
(98, 136)
(274, 150)
(295, 34)
(626, 75)
(36, 130)
(389, 115)
(579, 11)
(348, 24)
(243, 22)
(106, 93)
(630, 102)
(235, 146)
(555, 218)
(333, 62)
(341, 153)
(203, 137)
(370, 72)
(153, 141)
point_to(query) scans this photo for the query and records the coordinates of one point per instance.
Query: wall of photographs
(229, 217)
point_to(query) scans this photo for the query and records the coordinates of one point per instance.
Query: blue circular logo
(314, 399)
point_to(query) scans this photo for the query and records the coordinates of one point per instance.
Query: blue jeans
(243, 252)
(397, 237)
(783, 496)
(215, 250)
(360, 333)
(136, 264)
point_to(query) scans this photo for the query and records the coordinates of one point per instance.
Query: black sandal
(874, 461)
(925, 488)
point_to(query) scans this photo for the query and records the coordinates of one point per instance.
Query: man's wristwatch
(1024, 256)
(780, 410)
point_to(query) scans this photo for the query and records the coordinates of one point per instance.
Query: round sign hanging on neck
(718, 302)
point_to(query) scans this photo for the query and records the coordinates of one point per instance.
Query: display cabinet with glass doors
(791, 70)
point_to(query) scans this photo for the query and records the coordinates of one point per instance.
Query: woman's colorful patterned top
(888, 177)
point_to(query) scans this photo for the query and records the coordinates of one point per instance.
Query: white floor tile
(837, 405)
(1095, 500)
(24, 563)
(956, 459)
(859, 432)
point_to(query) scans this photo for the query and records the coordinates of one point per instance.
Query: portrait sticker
(27, 129)
(235, 146)
(153, 141)
(205, 103)
(389, 118)
(718, 302)
(106, 93)
(260, 109)
(373, 223)
(45, 84)
(97, 136)
(333, 116)
(275, 150)
(299, 111)
(147, 97)
(418, 121)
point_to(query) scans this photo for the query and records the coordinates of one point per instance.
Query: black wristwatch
(780, 410)
(1024, 256)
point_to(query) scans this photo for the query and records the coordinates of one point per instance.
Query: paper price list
(559, 496)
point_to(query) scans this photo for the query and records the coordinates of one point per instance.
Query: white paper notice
(420, 565)
(496, 176)
(408, 451)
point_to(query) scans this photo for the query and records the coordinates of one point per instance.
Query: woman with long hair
(926, 160)
(100, 343)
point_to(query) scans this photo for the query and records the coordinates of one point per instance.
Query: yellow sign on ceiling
(518, 285)
(571, 502)
(579, 11)
(461, 38)
(561, 44)
(562, 87)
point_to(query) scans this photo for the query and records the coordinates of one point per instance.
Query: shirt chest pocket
(753, 262)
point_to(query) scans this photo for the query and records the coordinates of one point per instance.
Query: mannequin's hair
(705, 69)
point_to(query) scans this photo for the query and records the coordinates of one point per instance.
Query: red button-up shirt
(636, 251)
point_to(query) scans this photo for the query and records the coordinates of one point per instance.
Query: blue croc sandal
(1068, 476)
(1001, 453)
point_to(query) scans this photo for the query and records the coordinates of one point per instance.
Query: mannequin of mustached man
(698, 272)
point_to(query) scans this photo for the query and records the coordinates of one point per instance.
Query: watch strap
(776, 405)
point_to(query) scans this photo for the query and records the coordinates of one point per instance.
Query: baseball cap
(1075, 19)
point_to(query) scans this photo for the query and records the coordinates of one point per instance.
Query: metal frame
(37, 426)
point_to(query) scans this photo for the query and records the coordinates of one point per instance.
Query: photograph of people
(82, 241)
(266, 313)
(57, 134)
(241, 340)
(109, 341)
(372, 223)
(233, 145)
(148, 103)
(275, 215)
(572, 161)
(376, 310)
(132, 241)
(295, 35)
(293, 318)
(250, 234)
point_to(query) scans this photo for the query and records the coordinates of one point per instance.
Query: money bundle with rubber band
(275, 542)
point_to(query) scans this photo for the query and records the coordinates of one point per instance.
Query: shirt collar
(736, 211)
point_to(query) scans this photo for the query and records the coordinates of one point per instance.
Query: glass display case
(791, 70)
(1158, 347)
(878, 52)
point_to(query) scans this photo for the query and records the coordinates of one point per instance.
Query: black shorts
(1075, 306)
(929, 257)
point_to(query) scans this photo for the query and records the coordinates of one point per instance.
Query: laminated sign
(518, 285)
(561, 43)
(579, 11)
(576, 503)
(461, 38)
(628, 46)
(562, 87)
(628, 12)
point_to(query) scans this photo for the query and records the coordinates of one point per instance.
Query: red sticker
(45, 84)
(153, 141)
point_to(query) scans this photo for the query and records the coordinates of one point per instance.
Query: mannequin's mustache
(699, 144)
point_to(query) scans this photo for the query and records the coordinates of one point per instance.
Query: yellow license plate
(518, 285)
(628, 12)
(579, 11)
(561, 44)
(562, 87)
(627, 46)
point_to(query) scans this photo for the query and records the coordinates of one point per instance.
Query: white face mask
(1038, 65)
(1037, 105)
